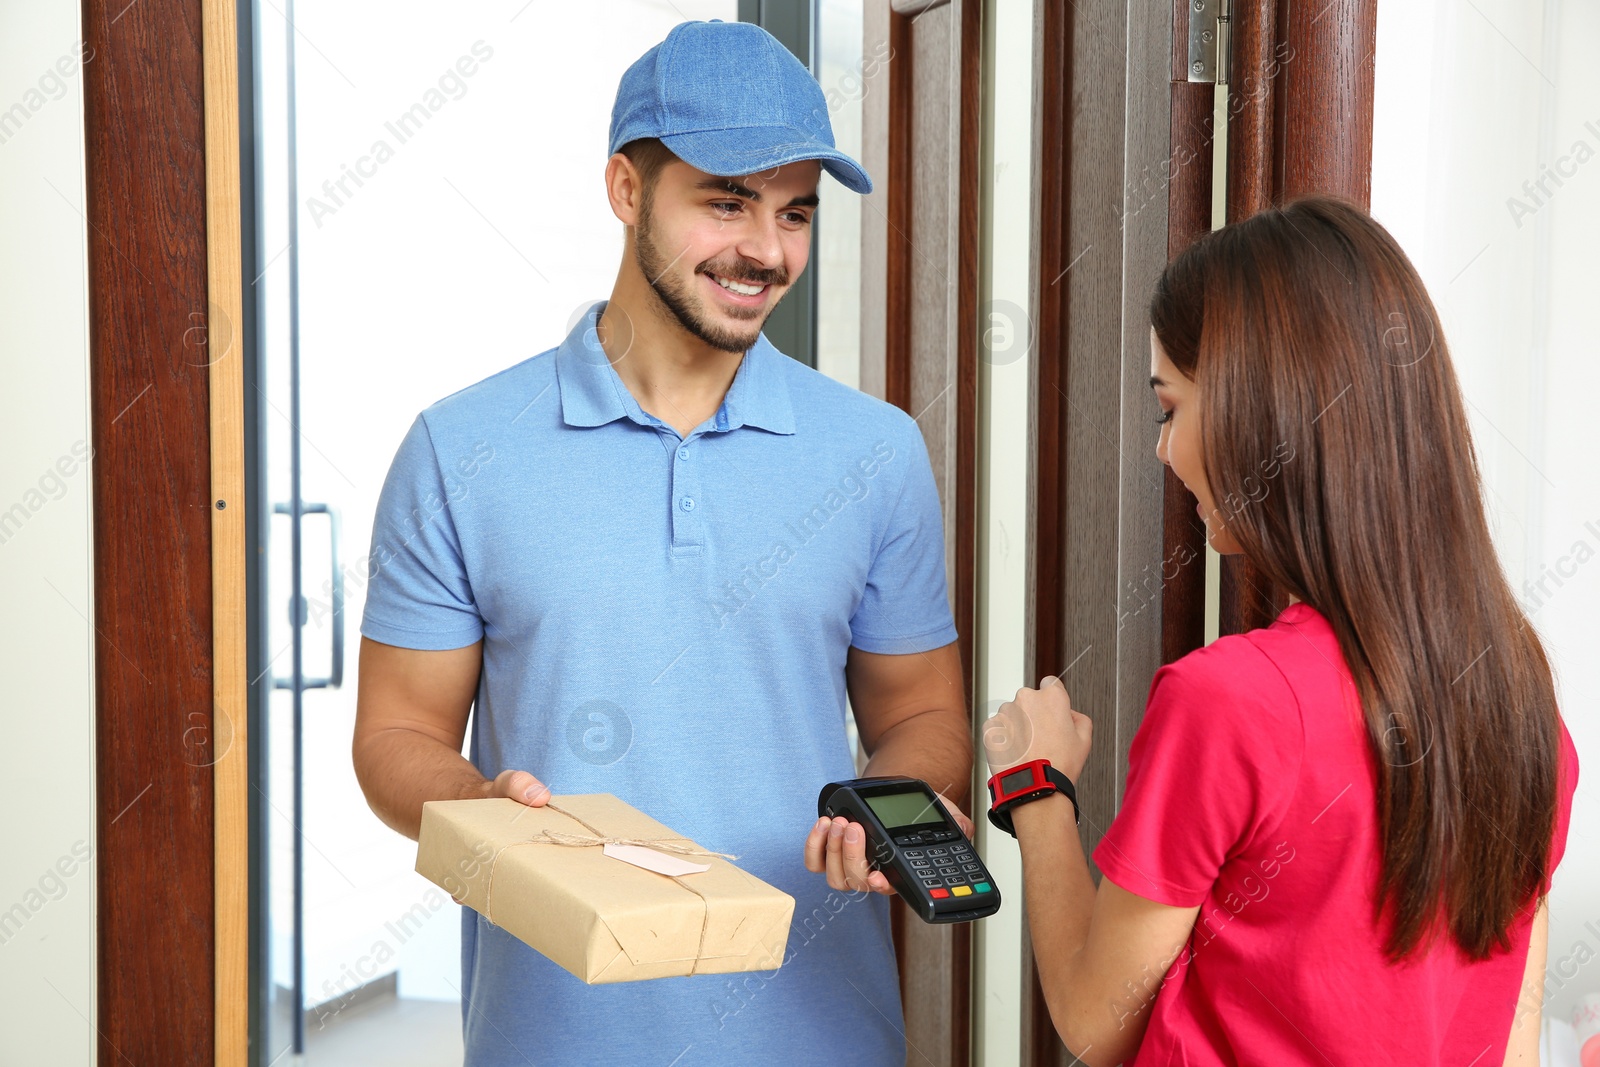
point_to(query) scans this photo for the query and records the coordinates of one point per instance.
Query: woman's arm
(1523, 1049)
(1101, 954)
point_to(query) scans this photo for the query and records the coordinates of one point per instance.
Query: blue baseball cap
(729, 99)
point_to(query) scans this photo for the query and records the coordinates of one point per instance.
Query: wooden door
(1111, 526)
(1105, 131)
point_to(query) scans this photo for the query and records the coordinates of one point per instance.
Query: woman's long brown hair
(1309, 335)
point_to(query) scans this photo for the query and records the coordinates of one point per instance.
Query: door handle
(335, 676)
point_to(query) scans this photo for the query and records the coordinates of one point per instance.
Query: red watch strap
(1045, 780)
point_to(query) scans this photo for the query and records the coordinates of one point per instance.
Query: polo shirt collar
(584, 374)
(759, 395)
(593, 395)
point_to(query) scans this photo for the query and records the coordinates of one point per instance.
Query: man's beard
(684, 307)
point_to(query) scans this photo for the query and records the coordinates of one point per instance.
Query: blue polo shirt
(666, 619)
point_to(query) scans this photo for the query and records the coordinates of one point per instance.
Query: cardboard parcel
(551, 876)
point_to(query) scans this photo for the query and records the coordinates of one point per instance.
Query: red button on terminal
(939, 894)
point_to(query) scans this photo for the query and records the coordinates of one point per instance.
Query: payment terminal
(917, 846)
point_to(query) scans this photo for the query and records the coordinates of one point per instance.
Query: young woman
(1338, 830)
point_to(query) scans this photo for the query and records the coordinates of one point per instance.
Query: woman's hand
(1039, 724)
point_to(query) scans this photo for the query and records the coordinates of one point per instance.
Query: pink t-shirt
(1252, 794)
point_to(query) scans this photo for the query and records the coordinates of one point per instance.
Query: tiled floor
(389, 1033)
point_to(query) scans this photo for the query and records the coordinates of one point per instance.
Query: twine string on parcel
(595, 837)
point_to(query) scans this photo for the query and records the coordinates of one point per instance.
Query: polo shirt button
(687, 503)
(683, 453)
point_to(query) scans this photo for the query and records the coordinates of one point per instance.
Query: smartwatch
(1025, 782)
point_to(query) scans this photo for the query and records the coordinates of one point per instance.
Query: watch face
(1016, 780)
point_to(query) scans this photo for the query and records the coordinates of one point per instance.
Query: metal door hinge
(1209, 40)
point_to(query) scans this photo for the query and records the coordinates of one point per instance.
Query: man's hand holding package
(520, 786)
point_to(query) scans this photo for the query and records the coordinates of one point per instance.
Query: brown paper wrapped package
(601, 918)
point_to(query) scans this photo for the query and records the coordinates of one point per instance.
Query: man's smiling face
(721, 252)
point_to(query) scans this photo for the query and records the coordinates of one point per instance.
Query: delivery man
(655, 558)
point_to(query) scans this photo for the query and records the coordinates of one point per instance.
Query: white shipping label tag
(651, 860)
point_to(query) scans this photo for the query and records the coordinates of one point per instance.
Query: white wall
(47, 875)
(1476, 104)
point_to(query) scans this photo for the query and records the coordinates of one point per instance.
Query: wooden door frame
(1189, 216)
(935, 962)
(162, 204)
(230, 604)
(1300, 121)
